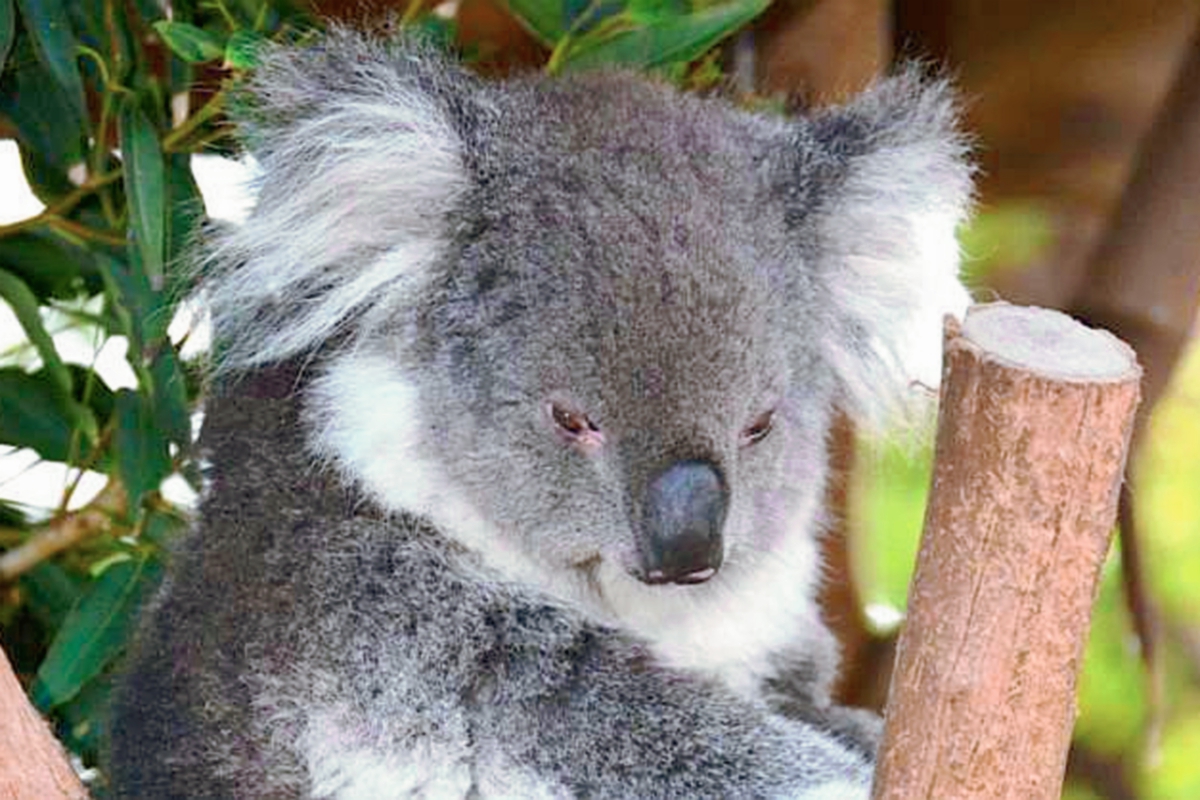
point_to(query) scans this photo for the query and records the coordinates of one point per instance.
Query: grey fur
(411, 578)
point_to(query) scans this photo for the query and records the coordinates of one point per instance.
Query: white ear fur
(353, 195)
(892, 259)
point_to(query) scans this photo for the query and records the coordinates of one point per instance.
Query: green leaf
(646, 11)
(242, 49)
(136, 310)
(145, 188)
(140, 446)
(54, 43)
(670, 40)
(95, 631)
(49, 266)
(46, 171)
(25, 306)
(551, 20)
(82, 721)
(185, 214)
(36, 413)
(112, 34)
(50, 592)
(542, 18)
(194, 45)
(92, 392)
(8, 27)
(171, 412)
(128, 298)
(49, 127)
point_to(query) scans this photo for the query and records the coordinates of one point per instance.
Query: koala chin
(519, 435)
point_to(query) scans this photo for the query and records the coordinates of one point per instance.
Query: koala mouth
(699, 576)
(683, 516)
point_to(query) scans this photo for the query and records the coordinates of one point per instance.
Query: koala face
(628, 382)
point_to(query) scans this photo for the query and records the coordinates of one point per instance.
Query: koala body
(518, 439)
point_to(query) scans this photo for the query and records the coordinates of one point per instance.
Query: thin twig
(84, 232)
(172, 141)
(65, 531)
(63, 206)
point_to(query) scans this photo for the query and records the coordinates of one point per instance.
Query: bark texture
(32, 764)
(1033, 432)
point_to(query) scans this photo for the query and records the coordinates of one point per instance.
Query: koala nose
(681, 532)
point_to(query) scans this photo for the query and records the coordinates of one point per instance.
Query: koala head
(590, 326)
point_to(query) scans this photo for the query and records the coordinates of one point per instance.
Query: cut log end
(1049, 344)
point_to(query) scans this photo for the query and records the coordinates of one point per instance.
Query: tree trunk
(1033, 432)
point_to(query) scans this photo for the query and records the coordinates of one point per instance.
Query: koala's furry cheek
(367, 420)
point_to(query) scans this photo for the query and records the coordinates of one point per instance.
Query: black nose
(681, 526)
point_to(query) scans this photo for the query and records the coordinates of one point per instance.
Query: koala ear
(885, 182)
(360, 164)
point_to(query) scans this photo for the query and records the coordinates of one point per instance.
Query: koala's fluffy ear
(883, 184)
(360, 165)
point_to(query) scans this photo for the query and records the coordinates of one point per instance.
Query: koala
(518, 435)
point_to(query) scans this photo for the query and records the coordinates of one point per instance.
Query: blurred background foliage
(108, 101)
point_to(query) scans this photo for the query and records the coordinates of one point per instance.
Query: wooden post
(32, 763)
(1036, 414)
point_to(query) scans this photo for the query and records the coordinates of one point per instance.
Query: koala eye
(759, 429)
(573, 423)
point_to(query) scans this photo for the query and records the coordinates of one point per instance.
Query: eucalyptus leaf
(171, 411)
(645, 11)
(54, 42)
(95, 631)
(669, 40)
(145, 189)
(242, 49)
(96, 24)
(49, 266)
(581, 16)
(185, 213)
(36, 413)
(131, 302)
(543, 18)
(92, 392)
(83, 719)
(140, 446)
(50, 593)
(49, 127)
(47, 172)
(8, 28)
(24, 305)
(194, 45)
(551, 20)
(139, 312)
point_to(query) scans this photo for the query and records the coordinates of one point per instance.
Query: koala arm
(800, 689)
(479, 686)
